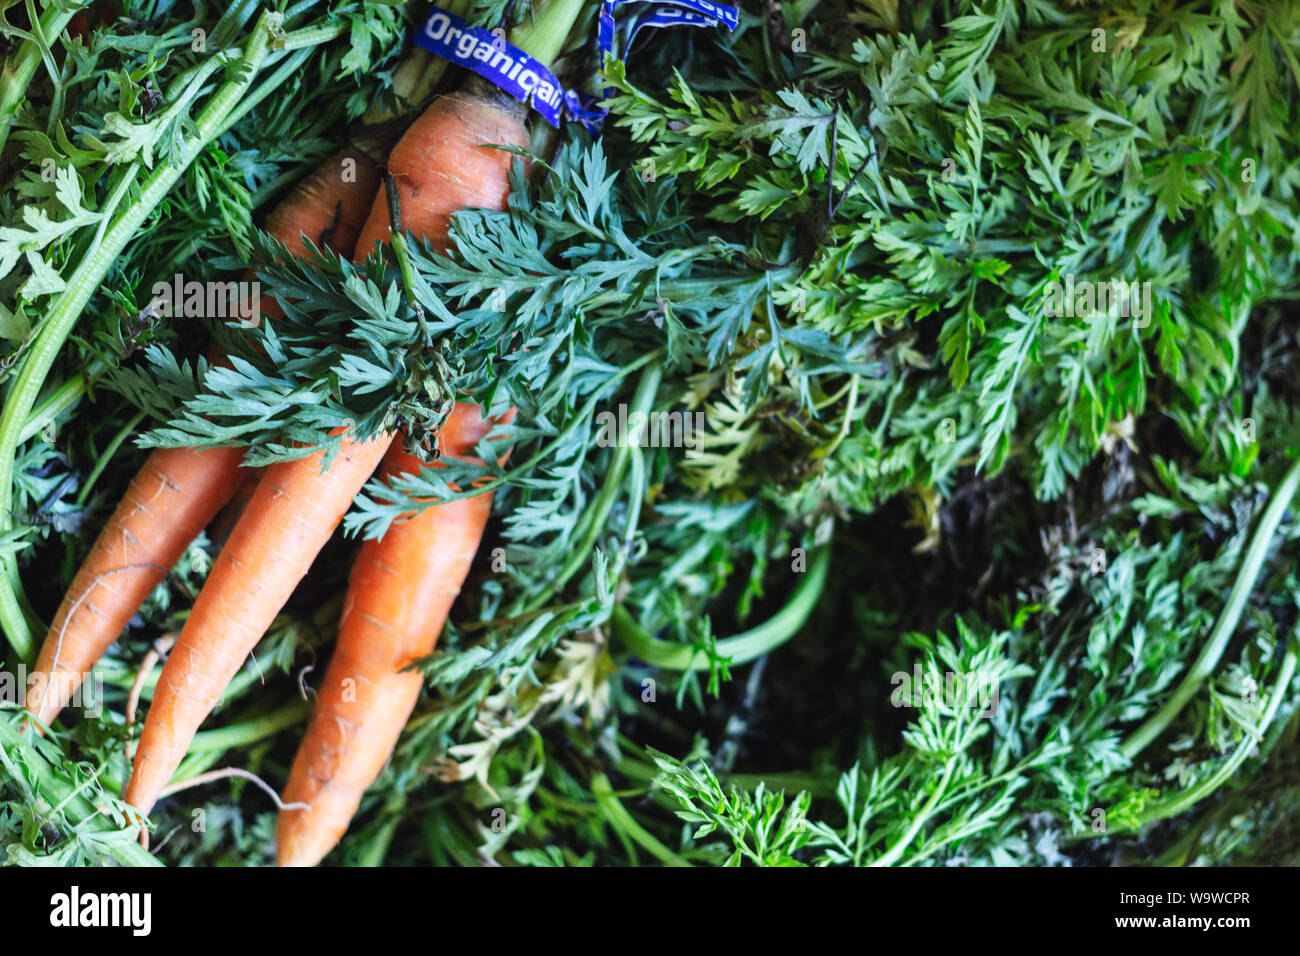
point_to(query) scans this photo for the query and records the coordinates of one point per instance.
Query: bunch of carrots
(402, 585)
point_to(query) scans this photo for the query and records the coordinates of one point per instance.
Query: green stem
(892, 855)
(544, 38)
(106, 456)
(408, 274)
(398, 241)
(1227, 623)
(84, 282)
(266, 88)
(741, 648)
(21, 67)
(250, 731)
(236, 17)
(414, 79)
(1177, 854)
(195, 764)
(1180, 801)
(308, 37)
(59, 401)
(616, 814)
(844, 425)
(612, 488)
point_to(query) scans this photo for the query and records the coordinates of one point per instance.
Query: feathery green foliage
(840, 235)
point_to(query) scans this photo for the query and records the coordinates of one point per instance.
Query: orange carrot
(180, 490)
(403, 585)
(173, 497)
(293, 513)
(401, 590)
(329, 206)
(441, 164)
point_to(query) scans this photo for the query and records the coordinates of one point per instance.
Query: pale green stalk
(545, 36)
(740, 649)
(1226, 626)
(21, 67)
(83, 283)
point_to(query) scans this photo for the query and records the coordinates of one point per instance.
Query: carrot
(441, 164)
(180, 490)
(401, 590)
(403, 585)
(293, 513)
(168, 503)
(329, 206)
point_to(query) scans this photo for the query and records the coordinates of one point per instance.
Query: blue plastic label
(492, 58)
(662, 13)
(510, 68)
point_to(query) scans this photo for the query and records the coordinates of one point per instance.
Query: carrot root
(181, 490)
(329, 205)
(292, 514)
(176, 493)
(441, 166)
(402, 586)
(400, 593)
